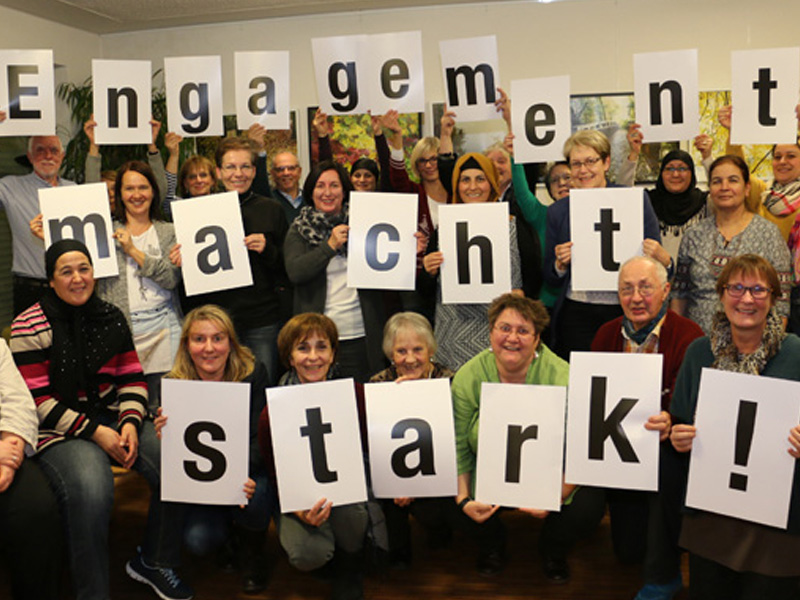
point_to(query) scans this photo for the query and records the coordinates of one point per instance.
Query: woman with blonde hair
(210, 351)
(577, 314)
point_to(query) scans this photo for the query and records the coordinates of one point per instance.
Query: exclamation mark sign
(745, 424)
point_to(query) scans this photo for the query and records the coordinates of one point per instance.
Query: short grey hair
(33, 137)
(661, 271)
(408, 321)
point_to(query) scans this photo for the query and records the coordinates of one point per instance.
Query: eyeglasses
(559, 178)
(758, 292)
(426, 162)
(228, 169)
(286, 169)
(507, 329)
(197, 176)
(674, 170)
(645, 290)
(587, 162)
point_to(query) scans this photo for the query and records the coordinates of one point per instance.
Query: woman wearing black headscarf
(676, 199)
(77, 357)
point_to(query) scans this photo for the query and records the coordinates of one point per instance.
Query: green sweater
(546, 369)
(535, 213)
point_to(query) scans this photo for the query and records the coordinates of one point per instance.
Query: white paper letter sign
(210, 232)
(262, 89)
(412, 444)
(27, 92)
(204, 445)
(316, 444)
(607, 444)
(666, 92)
(520, 445)
(739, 465)
(121, 91)
(474, 239)
(81, 212)
(396, 77)
(764, 86)
(381, 244)
(541, 112)
(471, 77)
(339, 72)
(607, 228)
(194, 95)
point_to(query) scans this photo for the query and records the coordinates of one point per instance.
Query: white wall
(591, 40)
(73, 50)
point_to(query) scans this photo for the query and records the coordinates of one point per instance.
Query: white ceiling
(110, 16)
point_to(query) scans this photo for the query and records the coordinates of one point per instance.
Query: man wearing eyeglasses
(286, 173)
(19, 198)
(648, 326)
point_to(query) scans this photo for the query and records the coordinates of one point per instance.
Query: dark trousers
(576, 520)
(628, 510)
(353, 360)
(662, 561)
(577, 324)
(32, 543)
(436, 515)
(712, 581)
(27, 292)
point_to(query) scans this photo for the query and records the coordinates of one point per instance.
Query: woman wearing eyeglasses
(577, 315)
(732, 230)
(676, 199)
(516, 355)
(258, 311)
(730, 558)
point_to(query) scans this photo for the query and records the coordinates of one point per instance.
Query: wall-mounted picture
(276, 140)
(472, 136)
(758, 156)
(351, 136)
(612, 114)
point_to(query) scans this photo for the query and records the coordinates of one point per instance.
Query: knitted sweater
(121, 383)
(676, 334)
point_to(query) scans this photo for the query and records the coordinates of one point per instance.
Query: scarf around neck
(315, 227)
(726, 354)
(782, 199)
(85, 338)
(641, 335)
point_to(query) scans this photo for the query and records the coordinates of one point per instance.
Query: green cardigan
(546, 369)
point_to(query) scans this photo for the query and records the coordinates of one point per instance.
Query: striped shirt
(120, 383)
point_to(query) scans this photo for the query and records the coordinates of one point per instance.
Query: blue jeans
(79, 472)
(263, 342)
(207, 527)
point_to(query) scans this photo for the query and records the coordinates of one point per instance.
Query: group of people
(712, 287)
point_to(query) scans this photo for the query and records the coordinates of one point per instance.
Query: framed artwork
(472, 136)
(276, 139)
(351, 136)
(757, 156)
(612, 114)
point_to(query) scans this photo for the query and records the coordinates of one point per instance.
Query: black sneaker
(165, 582)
